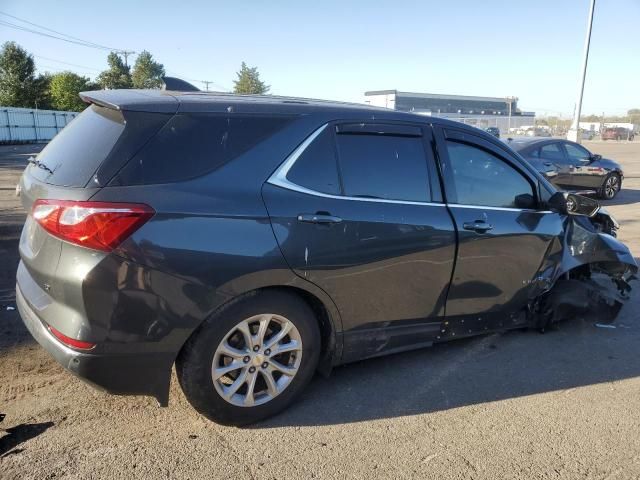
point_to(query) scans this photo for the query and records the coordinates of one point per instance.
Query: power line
(85, 43)
(97, 45)
(67, 63)
(25, 29)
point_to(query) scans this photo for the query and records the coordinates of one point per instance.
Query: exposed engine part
(599, 296)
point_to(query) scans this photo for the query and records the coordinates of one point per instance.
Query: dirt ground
(515, 405)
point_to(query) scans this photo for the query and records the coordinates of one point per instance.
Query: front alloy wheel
(257, 360)
(611, 186)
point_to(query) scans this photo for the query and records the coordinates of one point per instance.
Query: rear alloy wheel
(610, 187)
(257, 360)
(251, 359)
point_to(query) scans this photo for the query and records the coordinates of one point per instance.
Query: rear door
(553, 152)
(503, 238)
(357, 210)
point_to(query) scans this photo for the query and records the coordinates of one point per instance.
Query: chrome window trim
(279, 178)
(507, 209)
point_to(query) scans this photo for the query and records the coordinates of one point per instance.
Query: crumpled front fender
(573, 279)
(584, 244)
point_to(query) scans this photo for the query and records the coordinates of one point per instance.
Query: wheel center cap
(258, 359)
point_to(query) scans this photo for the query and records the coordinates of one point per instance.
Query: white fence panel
(20, 125)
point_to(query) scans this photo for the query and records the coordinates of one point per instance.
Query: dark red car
(617, 133)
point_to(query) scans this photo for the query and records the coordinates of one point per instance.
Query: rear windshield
(192, 144)
(74, 154)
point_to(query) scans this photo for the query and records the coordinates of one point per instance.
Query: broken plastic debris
(605, 325)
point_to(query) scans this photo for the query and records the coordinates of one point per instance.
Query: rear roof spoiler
(133, 100)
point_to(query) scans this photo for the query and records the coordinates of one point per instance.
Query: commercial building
(482, 112)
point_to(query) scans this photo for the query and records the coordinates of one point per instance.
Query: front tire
(250, 360)
(611, 186)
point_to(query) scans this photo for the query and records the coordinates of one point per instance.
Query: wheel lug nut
(256, 348)
(265, 365)
(246, 359)
(252, 369)
(267, 351)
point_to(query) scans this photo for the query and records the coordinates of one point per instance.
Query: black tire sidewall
(193, 365)
(603, 190)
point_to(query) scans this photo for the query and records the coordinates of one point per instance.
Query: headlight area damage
(586, 271)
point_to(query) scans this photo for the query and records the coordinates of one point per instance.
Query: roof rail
(177, 85)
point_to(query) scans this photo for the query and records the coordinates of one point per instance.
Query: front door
(357, 210)
(584, 176)
(503, 237)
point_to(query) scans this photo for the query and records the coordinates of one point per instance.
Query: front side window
(481, 178)
(576, 153)
(383, 166)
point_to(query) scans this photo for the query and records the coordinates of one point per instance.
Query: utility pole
(125, 54)
(510, 101)
(574, 131)
(206, 84)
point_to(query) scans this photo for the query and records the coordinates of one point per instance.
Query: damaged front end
(588, 271)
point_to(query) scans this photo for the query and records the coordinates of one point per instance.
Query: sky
(339, 49)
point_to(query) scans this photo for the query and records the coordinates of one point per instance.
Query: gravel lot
(516, 405)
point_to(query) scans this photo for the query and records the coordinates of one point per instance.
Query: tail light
(71, 342)
(97, 225)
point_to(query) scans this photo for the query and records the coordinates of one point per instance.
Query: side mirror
(595, 157)
(558, 203)
(572, 204)
(525, 200)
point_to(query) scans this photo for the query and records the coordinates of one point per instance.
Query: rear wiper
(38, 164)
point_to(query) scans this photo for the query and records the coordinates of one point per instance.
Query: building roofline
(435, 95)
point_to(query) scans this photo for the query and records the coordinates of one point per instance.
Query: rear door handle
(478, 226)
(318, 218)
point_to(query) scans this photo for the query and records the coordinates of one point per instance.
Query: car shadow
(626, 196)
(470, 372)
(19, 434)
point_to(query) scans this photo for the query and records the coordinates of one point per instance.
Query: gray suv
(252, 241)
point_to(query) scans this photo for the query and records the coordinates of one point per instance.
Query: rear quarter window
(191, 145)
(74, 154)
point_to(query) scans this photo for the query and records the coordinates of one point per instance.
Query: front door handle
(319, 218)
(478, 226)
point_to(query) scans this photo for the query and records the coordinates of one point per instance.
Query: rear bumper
(120, 374)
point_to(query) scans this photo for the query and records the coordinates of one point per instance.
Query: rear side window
(551, 151)
(481, 178)
(74, 154)
(317, 169)
(191, 145)
(383, 166)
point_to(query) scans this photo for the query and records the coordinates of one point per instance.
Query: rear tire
(256, 388)
(610, 187)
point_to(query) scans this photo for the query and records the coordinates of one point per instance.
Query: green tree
(17, 76)
(42, 97)
(147, 73)
(64, 88)
(249, 81)
(117, 76)
(591, 118)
